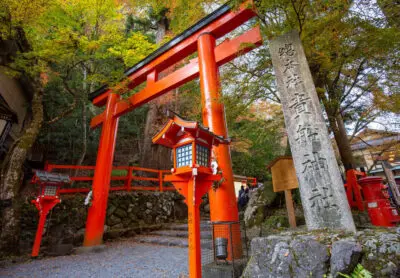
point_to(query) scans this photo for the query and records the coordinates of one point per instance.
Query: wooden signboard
(283, 174)
(284, 179)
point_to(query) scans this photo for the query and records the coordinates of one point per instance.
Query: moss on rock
(276, 221)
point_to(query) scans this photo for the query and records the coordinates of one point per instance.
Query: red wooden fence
(133, 175)
(131, 180)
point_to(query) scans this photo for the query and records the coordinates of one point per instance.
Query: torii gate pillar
(223, 205)
(102, 176)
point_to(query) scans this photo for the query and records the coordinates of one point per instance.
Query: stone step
(170, 241)
(180, 233)
(204, 226)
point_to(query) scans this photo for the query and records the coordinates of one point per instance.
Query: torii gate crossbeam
(201, 38)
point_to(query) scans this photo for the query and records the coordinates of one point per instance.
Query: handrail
(128, 178)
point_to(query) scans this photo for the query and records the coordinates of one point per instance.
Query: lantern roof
(44, 176)
(178, 129)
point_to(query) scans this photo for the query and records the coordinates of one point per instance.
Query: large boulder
(310, 257)
(260, 199)
(283, 256)
(314, 253)
(345, 255)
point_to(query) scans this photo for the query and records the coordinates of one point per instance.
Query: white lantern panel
(202, 155)
(50, 190)
(184, 155)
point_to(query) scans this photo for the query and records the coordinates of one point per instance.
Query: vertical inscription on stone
(321, 187)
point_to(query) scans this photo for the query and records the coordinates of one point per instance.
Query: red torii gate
(201, 38)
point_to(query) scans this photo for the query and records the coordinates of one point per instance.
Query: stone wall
(322, 254)
(127, 214)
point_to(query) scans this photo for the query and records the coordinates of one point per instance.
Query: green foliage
(77, 46)
(86, 34)
(16, 14)
(268, 195)
(180, 13)
(351, 49)
(263, 199)
(257, 140)
(358, 272)
(119, 173)
(277, 220)
(82, 44)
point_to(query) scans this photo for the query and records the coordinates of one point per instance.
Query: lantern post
(48, 197)
(192, 174)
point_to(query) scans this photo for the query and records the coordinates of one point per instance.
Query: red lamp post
(192, 174)
(49, 196)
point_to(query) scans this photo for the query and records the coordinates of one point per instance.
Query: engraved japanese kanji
(299, 104)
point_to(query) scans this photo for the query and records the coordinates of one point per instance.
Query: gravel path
(120, 259)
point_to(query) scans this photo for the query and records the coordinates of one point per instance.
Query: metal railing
(226, 255)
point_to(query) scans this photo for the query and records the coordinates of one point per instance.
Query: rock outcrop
(345, 254)
(260, 199)
(315, 254)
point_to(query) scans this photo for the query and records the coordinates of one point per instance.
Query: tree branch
(359, 70)
(298, 14)
(380, 154)
(63, 114)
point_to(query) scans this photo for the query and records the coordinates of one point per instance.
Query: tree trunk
(84, 134)
(342, 141)
(155, 156)
(86, 90)
(147, 158)
(12, 176)
(335, 120)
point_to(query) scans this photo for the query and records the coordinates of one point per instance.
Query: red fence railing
(123, 178)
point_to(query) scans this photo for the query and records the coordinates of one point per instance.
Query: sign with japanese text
(321, 187)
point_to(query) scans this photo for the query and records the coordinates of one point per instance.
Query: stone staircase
(176, 235)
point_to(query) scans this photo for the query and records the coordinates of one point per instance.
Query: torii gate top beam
(219, 23)
(185, 34)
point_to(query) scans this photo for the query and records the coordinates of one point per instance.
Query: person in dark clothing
(241, 203)
(241, 191)
(246, 196)
(243, 197)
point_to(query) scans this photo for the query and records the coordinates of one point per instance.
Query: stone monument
(322, 192)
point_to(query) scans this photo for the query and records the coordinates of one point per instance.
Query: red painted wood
(102, 177)
(218, 28)
(224, 53)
